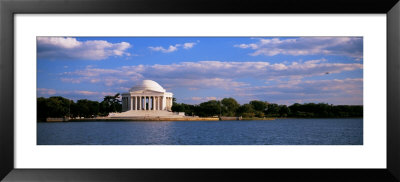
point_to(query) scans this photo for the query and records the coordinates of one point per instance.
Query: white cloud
(71, 48)
(258, 70)
(200, 99)
(188, 45)
(67, 43)
(338, 91)
(245, 46)
(197, 98)
(173, 48)
(207, 74)
(71, 80)
(73, 94)
(90, 93)
(340, 46)
(211, 98)
(46, 91)
(85, 92)
(286, 82)
(202, 83)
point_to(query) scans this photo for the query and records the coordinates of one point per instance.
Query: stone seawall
(56, 119)
(146, 119)
(223, 118)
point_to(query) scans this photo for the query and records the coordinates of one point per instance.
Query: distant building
(148, 95)
(146, 99)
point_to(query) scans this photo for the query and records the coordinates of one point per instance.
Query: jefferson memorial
(147, 99)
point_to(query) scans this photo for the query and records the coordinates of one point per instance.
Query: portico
(147, 96)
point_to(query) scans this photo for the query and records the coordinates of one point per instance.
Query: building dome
(148, 85)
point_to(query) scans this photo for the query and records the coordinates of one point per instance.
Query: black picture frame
(9, 8)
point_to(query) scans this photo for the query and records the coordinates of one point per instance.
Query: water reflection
(278, 132)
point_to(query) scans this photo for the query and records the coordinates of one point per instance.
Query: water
(276, 132)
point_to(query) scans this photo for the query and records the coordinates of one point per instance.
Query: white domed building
(146, 99)
(146, 96)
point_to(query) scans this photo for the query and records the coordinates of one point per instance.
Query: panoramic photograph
(199, 90)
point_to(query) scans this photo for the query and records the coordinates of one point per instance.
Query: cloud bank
(338, 46)
(73, 94)
(214, 73)
(173, 48)
(71, 48)
(285, 82)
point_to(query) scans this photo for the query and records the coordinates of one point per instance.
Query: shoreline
(143, 119)
(161, 119)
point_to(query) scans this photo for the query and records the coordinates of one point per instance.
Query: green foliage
(284, 111)
(246, 110)
(188, 109)
(42, 109)
(59, 107)
(62, 107)
(323, 110)
(255, 108)
(272, 110)
(87, 108)
(110, 104)
(53, 107)
(209, 108)
(259, 105)
(229, 106)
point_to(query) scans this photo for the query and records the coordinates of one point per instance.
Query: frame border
(10, 7)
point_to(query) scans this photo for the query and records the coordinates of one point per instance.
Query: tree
(229, 106)
(176, 107)
(57, 106)
(246, 110)
(272, 110)
(283, 111)
(259, 105)
(209, 108)
(110, 104)
(42, 109)
(87, 108)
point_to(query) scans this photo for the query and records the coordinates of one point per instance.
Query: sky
(282, 70)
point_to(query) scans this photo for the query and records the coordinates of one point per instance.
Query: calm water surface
(276, 132)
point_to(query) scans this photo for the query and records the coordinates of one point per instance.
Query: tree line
(57, 107)
(255, 108)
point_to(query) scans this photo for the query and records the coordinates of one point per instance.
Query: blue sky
(283, 70)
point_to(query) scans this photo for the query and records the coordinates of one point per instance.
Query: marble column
(168, 103)
(155, 102)
(140, 106)
(130, 103)
(149, 102)
(138, 103)
(145, 103)
(159, 103)
(152, 103)
(162, 103)
(133, 103)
